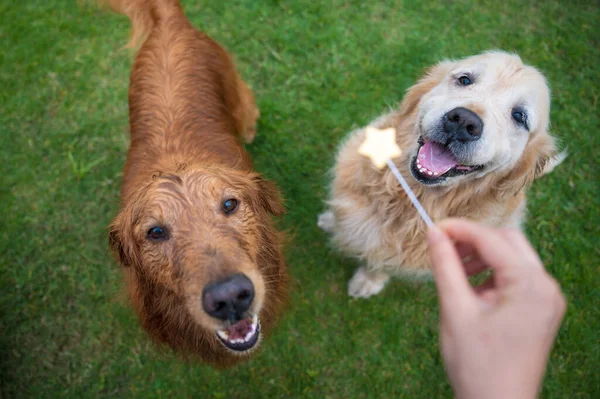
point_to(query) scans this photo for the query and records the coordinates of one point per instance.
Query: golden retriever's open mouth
(241, 336)
(435, 163)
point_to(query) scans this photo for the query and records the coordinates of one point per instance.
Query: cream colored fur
(371, 218)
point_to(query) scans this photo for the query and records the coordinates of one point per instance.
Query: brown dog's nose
(228, 299)
(462, 125)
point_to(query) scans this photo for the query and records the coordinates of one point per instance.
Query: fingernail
(434, 235)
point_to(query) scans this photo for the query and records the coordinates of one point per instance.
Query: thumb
(448, 271)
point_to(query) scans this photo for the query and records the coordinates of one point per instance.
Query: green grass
(318, 69)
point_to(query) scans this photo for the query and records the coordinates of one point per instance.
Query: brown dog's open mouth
(434, 163)
(241, 336)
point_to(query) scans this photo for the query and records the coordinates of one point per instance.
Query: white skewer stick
(409, 192)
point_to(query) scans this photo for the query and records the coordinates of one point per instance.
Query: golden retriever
(474, 135)
(203, 262)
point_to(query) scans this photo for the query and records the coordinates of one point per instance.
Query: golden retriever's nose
(228, 299)
(463, 125)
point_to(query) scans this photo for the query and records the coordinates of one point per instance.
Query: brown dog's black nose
(462, 125)
(228, 299)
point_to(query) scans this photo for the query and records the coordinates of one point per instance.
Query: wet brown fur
(189, 109)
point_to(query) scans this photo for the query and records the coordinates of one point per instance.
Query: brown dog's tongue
(239, 329)
(436, 157)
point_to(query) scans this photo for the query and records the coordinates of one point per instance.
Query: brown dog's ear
(433, 76)
(116, 242)
(269, 197)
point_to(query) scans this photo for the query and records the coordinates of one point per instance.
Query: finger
(474, 265)
(494, 249)
(472, 262)
(486, 291)
(450, 278)
(464, 249)
(485, 286)
(522, 244)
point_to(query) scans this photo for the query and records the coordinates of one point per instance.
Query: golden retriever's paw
(365, 284)
(326, 221)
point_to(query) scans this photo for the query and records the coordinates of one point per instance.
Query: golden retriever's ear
(269, 197)
(432, 77)
(539, 157)
(545, 154)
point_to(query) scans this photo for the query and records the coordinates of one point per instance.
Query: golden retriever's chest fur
(376, 222)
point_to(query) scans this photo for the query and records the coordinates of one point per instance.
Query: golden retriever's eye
(229, 205)
(519, 115)
(465, 80)
(157, 233)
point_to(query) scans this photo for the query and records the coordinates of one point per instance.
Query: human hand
(495, 338)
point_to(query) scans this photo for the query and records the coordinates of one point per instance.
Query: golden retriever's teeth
(223, 334)
(430, 173)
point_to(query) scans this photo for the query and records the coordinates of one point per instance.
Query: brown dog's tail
(144, 15)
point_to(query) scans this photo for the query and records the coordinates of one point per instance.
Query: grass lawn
(319, 69)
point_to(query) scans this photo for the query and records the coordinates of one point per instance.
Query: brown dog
(203, 262)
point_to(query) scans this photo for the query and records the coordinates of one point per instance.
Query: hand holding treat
(496, 337)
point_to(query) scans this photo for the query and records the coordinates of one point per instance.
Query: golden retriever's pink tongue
(436, 158)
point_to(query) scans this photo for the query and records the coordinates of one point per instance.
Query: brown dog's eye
(157, 233)
(229, 205)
